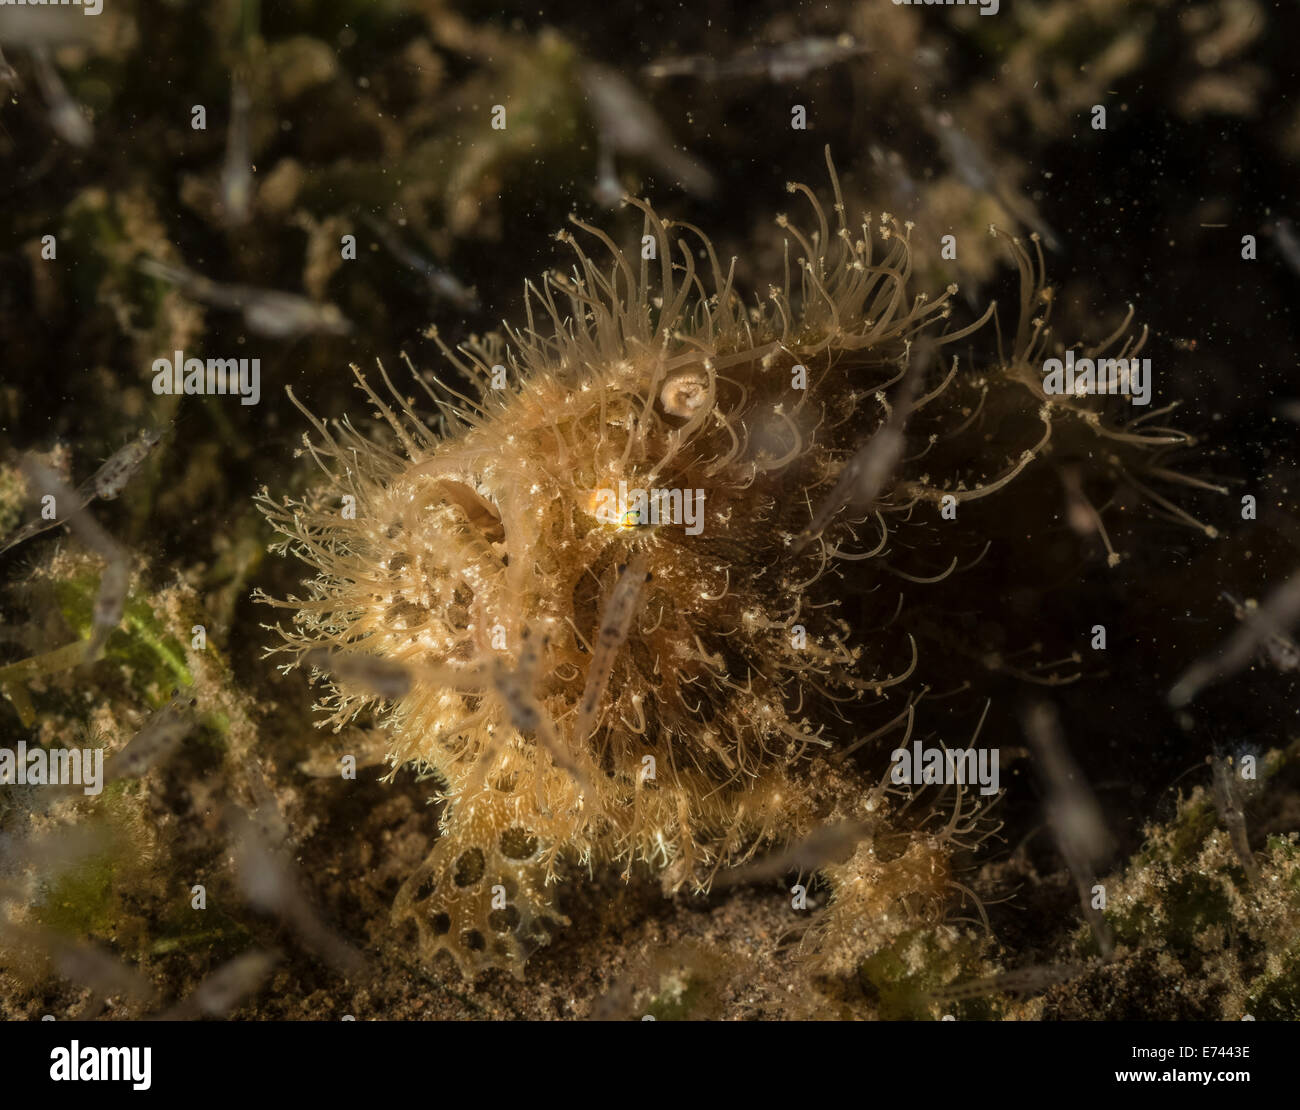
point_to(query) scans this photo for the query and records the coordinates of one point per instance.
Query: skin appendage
(593, 689)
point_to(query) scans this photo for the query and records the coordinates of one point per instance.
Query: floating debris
(515, 688)
(111, 599)
(865, 475)
(368, 748)
(1021, 981)
(1228, 802)
(1073, 814)
(66, 117)
(441, 283)
(47, 853)
(825, 844)
(237, 170)
(787, 61)
(627, 125)
(107, 482)
(270, 883)
(9, 78)
(386, 678)
(1288, 243)
(226, 987)
(111, 478)
(1263, 624)
(1278, 649)
(89, 965)
(154, 742)
(976, 170)
(266, 311)
(615, 623)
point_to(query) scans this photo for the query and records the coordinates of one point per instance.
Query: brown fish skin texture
(550, 650)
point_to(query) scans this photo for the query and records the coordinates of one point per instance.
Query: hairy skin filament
(592, 691)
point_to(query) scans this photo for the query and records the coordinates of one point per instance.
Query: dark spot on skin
(469, 868)
(503, 920)
(518, 843)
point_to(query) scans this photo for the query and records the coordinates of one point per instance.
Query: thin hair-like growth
(593, 690)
